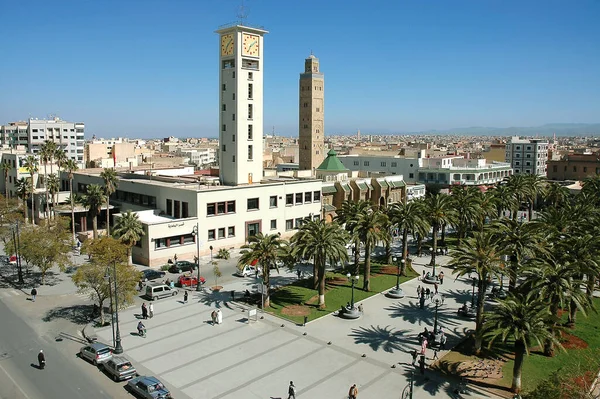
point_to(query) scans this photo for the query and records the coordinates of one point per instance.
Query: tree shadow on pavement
(210, 297)
(460, 296)
(413, 314)
(384, 338)
(78, 314)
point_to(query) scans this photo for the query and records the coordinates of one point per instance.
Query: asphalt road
(19, 375)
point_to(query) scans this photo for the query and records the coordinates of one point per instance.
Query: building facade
(241, 104)
(574, 167)
(311, 128)
(527, 155)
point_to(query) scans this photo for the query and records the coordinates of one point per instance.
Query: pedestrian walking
(435, 287)
(435, 354)
(427, 293)
(422, 302)
(418, 291)
(443, 297)
(414, 355)
(423, 276)
(441, 277)
(151, 310)
(219, 316)
(213, 317)
(140, 283)
(443, 342)
(353, 392)
(33, 294)
(422, 364)
(299, 273)
(292, 391)
(185, 296)
(144, 311)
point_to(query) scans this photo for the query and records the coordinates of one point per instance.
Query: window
(250, 75)
(224, 87)
(231, 231)
(273, 201)
(584, 169)
(233, 138)
(574, 168)
(273, 224)
(289, 224)
(298, 198)
(517, 163)
(252, 204)
(221, 232)
(250, 153)
(298, 223)
(230, 206)
(289, 199)
(224, 127)
(356, 163)
(316, 196)
(383, 163)
(224, 107)
(394, 164)
(220, 208)
(169, 207)
(233, 75)
(250, 91)
(528, 156)
(250, 109)
(555, 168)
(211, 234)
(232, 117)
(308, 196)
(517, 155)
(366, 163)
(411, 175)
(250, 132)
(318, 109)
(211, 209)
(224, 148)
(233, 96)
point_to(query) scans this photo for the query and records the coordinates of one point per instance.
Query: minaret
(311, 141)
(240, 104)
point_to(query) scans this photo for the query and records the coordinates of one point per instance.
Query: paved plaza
(237, 359)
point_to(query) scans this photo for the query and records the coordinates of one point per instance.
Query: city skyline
(152, 71)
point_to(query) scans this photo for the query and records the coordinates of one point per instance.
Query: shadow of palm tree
(412, 313)
(286, 296)
(210, 297)
(384, 338)
(78, 314)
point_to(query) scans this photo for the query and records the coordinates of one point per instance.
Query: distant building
(311, 140)
(574, 167)
(527, 155)
(69, 136)
(110, 153)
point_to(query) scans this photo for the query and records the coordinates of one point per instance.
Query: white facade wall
(67, 135)
(386, 165)
(528, 156)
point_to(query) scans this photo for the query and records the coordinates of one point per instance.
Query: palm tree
(5, 167)
(591, 188)
(93, 200)
(465, 201)
(31, 164)
(479, 254)
(47, 151)
(322, 242)
(557, 194)
(23, 193)
(438, 211)
(111, 182)
(487, 204)
(504, 199)
(370, 227)
(129, 230)
(407, 217)
(53, 186)
(60, 157)
(523, 319)
(520, 189)
(536, 187)
(386, 209)
(347, 216)
(267, 250)
(70, 166)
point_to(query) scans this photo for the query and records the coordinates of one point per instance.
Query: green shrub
(223, 253)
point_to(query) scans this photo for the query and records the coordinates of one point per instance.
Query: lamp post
(397, 292)
(118, 348)
(435, 319)
(197, 237)
(112, 318)
(211, 249)
(473, 293)
(353, 279)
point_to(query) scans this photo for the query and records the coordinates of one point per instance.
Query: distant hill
(560, 129)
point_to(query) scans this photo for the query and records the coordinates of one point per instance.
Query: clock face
(250, 45)
(227, 44)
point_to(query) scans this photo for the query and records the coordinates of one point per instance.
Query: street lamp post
(118, 348)
(197, 236)
(112, 318)
(435, 319)
(473, 293)
(353, 279)
(211, 249)
(397, 292)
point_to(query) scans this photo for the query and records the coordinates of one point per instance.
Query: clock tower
(311, 141)
(240, 104)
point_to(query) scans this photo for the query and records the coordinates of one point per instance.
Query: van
(156, 291)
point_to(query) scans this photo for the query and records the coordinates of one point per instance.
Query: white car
(246, 271)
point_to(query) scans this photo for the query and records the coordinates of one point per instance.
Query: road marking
(14, 382)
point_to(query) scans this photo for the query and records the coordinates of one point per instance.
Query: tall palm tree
(47, 151)
(60, 157)
(487, 204)
(53, 186)
(524, 319)
(520, 189)
(536, 188)
(31, 164)
(591, 188)
(556, 194)
(347, 216)
(93, 200)
(479, 254)
(408, 217)
(5, 167)
(386, 210)
(111, 182)
(23, 193)
(70, 167)
(370, 227)
(322, 242)
(504, 199)
(438, 211)
(267, 250)
(465, 201)
(129, 230)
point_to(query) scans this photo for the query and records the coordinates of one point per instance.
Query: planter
(216, 288)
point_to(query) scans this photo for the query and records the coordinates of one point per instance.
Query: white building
(201, 157)
(385, 165)
(32, 134)
(527, 156)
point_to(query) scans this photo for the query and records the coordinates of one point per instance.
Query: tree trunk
(481, 288)
(101, 313)
(404, 252)
(572, 314)
(518, 366)
(72, 210)
(443, 242)
(367, 271)
(315, 275)
(589, 289)
(32, 202)
(46, 211)
(107, 216)
(356, 257)
(388, 252)
(322, 286)
(434, 246)
(130, 256)
(512, 274)
(95, 226)
(548, 344)
(419, 245)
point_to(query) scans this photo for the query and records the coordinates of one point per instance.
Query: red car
(189, 281)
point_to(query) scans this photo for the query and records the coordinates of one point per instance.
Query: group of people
(427, 276)
(437, 337)
(352, 392)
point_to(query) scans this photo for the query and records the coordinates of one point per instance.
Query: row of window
(135, 198)
(291, 224)
(174, 241)
(253, 204)
(383, 164)
(214, 234)
(585, 169)
(220, 208)
(231, 64)
(56, 129)
(177, 209)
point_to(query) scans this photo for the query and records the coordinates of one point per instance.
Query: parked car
(119, 368)
(156, 291)
(151, 274)
(246, 271)
(148, 388)
(182, 266)
(96, 353)
(189, 281)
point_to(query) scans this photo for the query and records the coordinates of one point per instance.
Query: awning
(345, 187)
(362, 186)
(329, 190)
(397, 183)
(329, 208)
(382, 183)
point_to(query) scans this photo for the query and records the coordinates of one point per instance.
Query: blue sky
(150, 68)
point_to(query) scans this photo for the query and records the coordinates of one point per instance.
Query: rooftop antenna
(242, 14)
